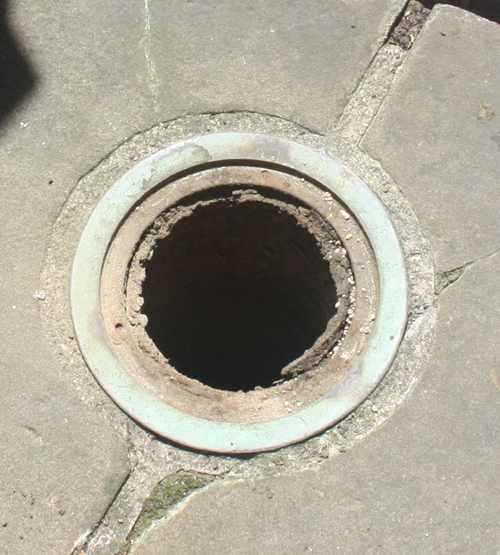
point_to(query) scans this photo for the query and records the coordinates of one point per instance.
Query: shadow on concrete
(17, 78)
(409, 24)
(489, 9)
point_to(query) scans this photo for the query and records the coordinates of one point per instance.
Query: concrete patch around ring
(158, 458)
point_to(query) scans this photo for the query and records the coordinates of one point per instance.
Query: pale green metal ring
(226, 437)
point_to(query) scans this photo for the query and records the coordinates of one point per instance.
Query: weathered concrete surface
(428, 482)
(438, 134)
(105, 70)
(299, 60)
(96, 73)
(60, 463)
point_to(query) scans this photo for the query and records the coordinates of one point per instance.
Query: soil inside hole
(236, 290)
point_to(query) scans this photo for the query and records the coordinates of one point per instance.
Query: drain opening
(237, 288)
(320, 247)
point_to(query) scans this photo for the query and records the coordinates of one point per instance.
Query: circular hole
(119, 262)
(236, 291)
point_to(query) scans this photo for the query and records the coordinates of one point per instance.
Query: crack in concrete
(445, 279)
(102, 534)
(369, 96)
(83, 542)
(153, 77)
(358, 102)
(151, 462)
(405, 32)
(110, 534)
(448, 277)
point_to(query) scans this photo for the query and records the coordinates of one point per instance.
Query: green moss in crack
(162, 499)
(443, 279)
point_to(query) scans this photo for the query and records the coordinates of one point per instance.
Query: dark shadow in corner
(17, 78)
(489, 9)
(409, 24)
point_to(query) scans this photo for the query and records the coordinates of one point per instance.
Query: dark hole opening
(235, 292)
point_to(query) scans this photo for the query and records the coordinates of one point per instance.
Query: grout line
(122, 514)
(85, 540)
(367, 99)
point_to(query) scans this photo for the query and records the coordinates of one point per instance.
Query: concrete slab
(428, 482)
(292, 59)
(98, 72)
(61, 462)
(61, 465)
(89, 76)
(438, 134)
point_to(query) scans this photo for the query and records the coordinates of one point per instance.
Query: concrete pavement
(75, 471)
